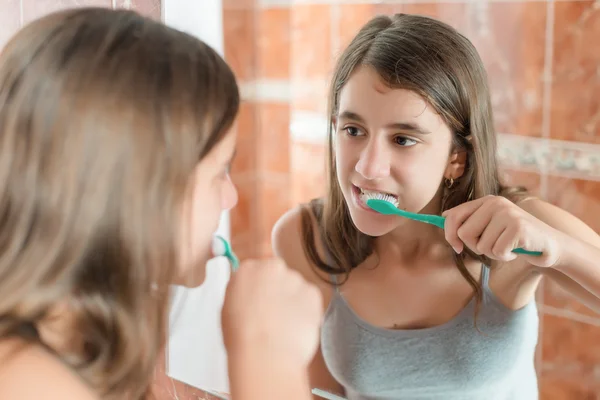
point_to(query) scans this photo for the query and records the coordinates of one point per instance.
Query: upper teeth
(371, 194)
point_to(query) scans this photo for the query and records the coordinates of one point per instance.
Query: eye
(352, 131)
(404, 141)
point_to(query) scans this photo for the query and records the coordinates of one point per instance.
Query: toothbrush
(221, 247)
(384, 204)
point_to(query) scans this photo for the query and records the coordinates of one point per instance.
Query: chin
(193, 274)
(372, 229)
(371, 223)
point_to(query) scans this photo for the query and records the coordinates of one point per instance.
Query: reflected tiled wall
(544, 69)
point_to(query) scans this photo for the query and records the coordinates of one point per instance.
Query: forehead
(366, 94)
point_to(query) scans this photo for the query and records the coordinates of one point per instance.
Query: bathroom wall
(543, 65)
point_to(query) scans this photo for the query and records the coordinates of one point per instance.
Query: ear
(456, 164)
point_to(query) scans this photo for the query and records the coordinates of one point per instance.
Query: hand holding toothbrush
(493, 226)
(271, 321)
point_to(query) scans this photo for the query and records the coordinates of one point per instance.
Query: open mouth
(365, 194)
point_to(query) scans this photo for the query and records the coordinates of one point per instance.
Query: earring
(449, 182)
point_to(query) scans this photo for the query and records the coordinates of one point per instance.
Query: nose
(374, 161)
(229, 196)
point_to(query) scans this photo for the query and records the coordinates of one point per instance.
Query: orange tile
(10, 20)
(311, 38)
(388, 9)
(579, 197)
(273, 150)
(33, 9)
(238, 4)
(557, 386)
(570, 346)
(243, 217)
(510, 38)
(352, 17)
(308, 171)
(245, 247)
(575, 108)
(247, 138)
(273, 43)
(239, 41)
(275, 199)
(149, 8)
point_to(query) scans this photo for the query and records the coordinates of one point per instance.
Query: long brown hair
(435, 61)
(104, 115)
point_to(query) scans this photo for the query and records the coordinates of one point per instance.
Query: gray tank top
(452, 361)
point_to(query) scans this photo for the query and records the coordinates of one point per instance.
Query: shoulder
(289, 239)
(559, 219)
(29, 372)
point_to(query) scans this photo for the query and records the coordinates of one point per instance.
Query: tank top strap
(485, 276)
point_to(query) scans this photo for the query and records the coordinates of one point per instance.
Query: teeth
(370, 194)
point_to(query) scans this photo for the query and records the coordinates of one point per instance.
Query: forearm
(581, 263)
(254, 378)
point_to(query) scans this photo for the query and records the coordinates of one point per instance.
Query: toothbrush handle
(528, 252)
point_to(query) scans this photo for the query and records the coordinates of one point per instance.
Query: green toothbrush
(221, 247)
(384, 206)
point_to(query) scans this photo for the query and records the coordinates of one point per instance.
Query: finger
(466, 208)
(455, 218)
(489, 237)
(473, 228)
(504, 246)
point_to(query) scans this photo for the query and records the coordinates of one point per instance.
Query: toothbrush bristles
(382, 196)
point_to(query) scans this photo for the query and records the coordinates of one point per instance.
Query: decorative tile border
(266, 90)
(554, 157)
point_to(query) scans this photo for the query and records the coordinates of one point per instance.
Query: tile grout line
(547, 94)
(546, 120)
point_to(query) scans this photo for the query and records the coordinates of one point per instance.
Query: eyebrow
(403, 125)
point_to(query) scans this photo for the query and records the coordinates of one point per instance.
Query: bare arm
(287, 244)
(578, 269)
(273, 380)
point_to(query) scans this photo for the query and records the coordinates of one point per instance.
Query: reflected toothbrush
(386, 205)
(221, 247)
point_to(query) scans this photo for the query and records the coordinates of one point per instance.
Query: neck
(414, 243)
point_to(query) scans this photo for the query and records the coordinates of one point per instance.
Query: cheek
(229, 195)
(344, 159)
(204, 218)
(200, 219)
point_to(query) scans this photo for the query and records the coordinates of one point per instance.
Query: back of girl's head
(103, 116)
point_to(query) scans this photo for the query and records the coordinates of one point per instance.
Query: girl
(115, 146)
(413, 311)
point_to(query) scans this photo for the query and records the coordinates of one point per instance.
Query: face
(211, 192)
(389, 141)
